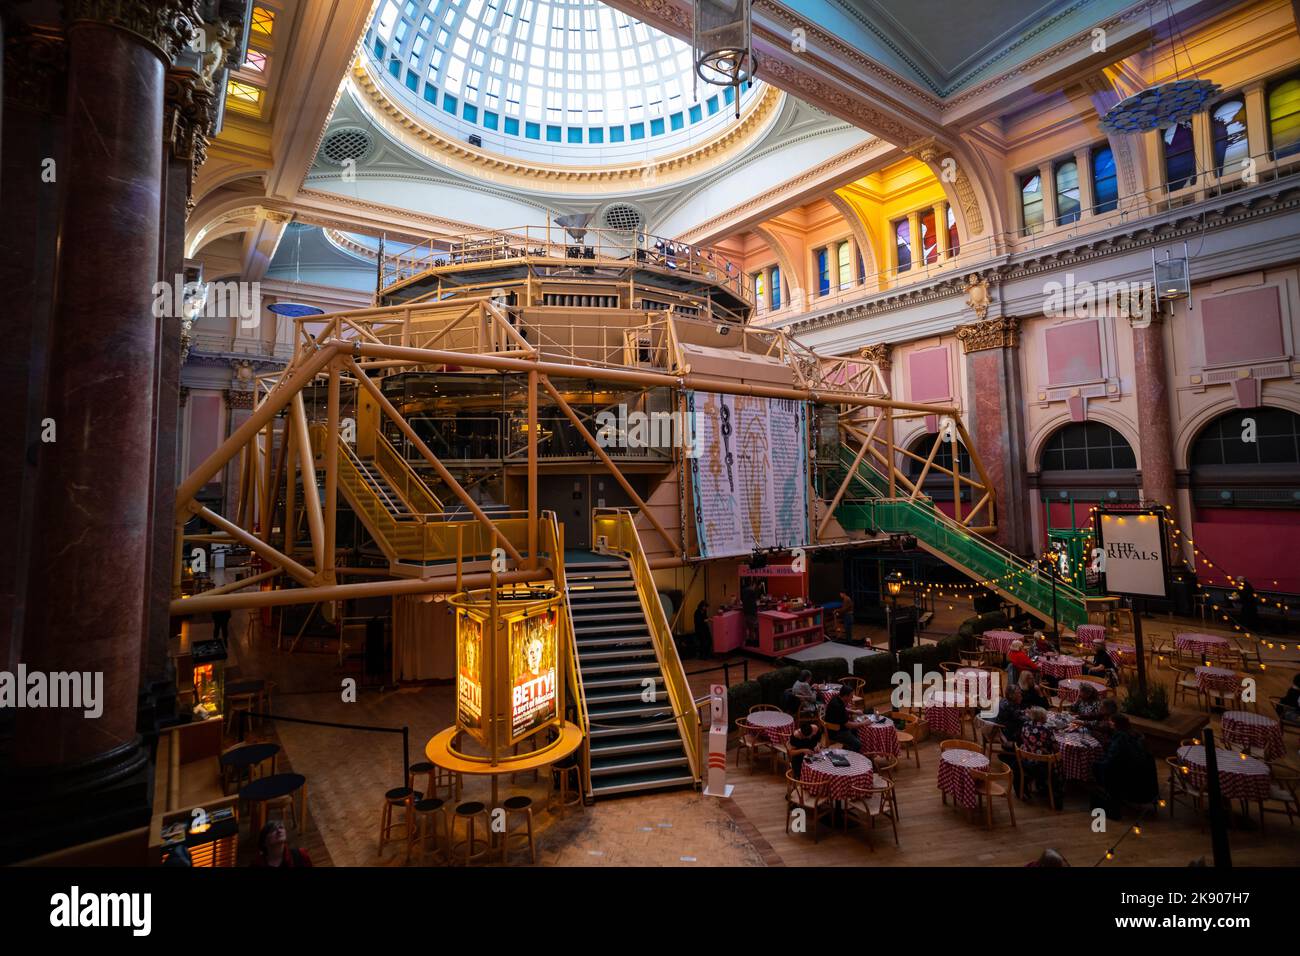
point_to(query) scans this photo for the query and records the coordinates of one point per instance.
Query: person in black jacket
(1127, 773)
(837, 714)
(703, 639)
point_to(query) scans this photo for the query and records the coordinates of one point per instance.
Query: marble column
(1155, 430)
(941, 231)
(995, 419)
(80, 777)
(914, 239)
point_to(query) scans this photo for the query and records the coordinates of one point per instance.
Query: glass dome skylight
(545, 75)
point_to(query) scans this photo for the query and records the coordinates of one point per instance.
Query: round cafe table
(1244, 729)
(273, 787)
(1000, 641)
(1061, 665)
(1217, 680)
(243, 759)
(955, 768)
(776, 727)
(1240, 778)
(826, 691)
(942, 712)
(1079, 751)
(1201, 645)
(881, 738)
(840, 781)
(1068, 689)
(1087, 633)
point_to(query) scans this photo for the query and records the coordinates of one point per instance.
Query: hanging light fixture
(722, 44)
(295, 310)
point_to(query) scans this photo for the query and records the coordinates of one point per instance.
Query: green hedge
(741, 697)
(978, 625)
(828, 670)
(876, 670)
(775, 683)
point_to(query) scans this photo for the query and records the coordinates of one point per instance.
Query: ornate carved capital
(239, 398)
(184, 395)
(1003, 333)
(36, 68)
(879, 354)
(168, 25)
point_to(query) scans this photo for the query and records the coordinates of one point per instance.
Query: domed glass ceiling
(545, 75)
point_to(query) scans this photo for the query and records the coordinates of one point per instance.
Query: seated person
(1042, 644)
(1037, 738)
(803, 692)
(1127, 773)
(804, 741)
(1102, 664)
(1030, 692)
(837, 719)
(1010, 717)
(1104, 726)
(1088, 707)
(1288, 707)
(1018, 661)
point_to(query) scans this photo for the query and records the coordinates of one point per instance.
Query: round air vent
(622, 216)
(344, 144)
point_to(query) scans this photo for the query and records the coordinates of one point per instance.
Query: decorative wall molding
(1000, 333)
(879, 354)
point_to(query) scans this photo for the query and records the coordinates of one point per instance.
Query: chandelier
(722, 44)
(1159, 107)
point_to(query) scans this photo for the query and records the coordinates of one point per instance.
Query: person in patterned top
(1037, 738)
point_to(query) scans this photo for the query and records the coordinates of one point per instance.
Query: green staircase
(866, 505)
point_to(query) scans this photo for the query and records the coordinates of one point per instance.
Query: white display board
(1134, 554)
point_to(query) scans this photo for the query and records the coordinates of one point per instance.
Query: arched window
(903, 243)
(1257, 436)
(1180, 155)
(1284, 116)
(1105, 182)
(1087, 446)
(1067, 192)
(1031, 201)
(758, 286)
(844, 263)
(1228, 128)
(823, 272)
(776, 287)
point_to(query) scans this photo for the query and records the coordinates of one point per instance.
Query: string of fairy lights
(1133, 829)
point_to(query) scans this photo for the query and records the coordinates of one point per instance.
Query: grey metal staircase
(635, 743)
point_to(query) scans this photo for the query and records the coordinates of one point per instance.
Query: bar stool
(444, 779)
(430, 814)
(516, 807)
(405, 798)
(470, 811)
(418, 768)
(532, 747)
(564, 772)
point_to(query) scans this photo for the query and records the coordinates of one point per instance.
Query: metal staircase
(868, 506)
(635, 738)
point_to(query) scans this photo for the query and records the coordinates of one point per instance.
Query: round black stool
(475, 849)
(430, 815)
(516, 807)
(403, 797)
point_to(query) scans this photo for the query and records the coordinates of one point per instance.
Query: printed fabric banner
(749, 476)
(532, 672)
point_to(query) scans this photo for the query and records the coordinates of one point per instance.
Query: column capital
(167, 25)
(239, 398)
(999, 333)
(190, 108)
(879, 354)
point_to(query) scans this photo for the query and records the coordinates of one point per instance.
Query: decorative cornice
(1000, 333)
(640, 174)
(169, 26)
(35, 68)
(239, 398)
(877, 354)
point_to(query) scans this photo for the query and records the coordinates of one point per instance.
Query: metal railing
(552, 541)
(617, 527)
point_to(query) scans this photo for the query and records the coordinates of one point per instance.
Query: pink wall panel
(927, 375)
(1257, 545)
(205, 428)
(1073, 353)
(1242, 327)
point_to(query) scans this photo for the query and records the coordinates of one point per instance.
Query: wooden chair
(1181, 786)
(949, 666)
(811, 798)
(1159, 651)
(1185, 684)
(857, 683)
(883, 765)
(758, 708)
(991, 784)
(988, 735)
(1288, 726)
(1284, 788)
(989, 657)
(969, 658)
(868, 803)
(959, 744)
(1051, 761)
(754, 744)
(907, 738)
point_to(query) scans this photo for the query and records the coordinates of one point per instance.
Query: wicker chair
(812, 798)
(868, 803)
(991, 784)
(1051, 761)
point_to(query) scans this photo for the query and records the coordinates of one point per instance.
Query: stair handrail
(954, 527)
(553, 538)
(410, 484)
(627, 541)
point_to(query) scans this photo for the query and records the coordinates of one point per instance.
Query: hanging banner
(1133, 552)
(749, 479)
(469, 672)
(533, 654)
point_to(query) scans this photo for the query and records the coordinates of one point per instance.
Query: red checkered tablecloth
(1200, 644)
(1061, 666)
(879, 738)
(1244, 729)
(1078, 753)
(840, 780)
(826, 691)
(1068, 689)
(777, 728)
(1000, 640)
(954, 774)
(1217, 680)
(1087, 633)
(1122, 653)
(1239, 778)
(942, 713)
